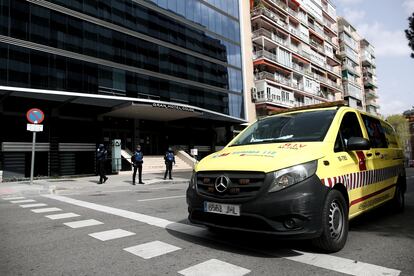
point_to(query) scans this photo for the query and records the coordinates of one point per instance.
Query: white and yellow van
(300, 174)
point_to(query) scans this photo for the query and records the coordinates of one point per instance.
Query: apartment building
(294, 53)
(369, 76)
(350, 53)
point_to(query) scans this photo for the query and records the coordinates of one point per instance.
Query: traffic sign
(35, 116)
(34, 127)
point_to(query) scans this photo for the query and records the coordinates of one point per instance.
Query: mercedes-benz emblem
(222, 183)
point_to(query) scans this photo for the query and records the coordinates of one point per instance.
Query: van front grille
(237, 185)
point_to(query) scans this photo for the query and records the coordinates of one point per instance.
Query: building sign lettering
(172, 106)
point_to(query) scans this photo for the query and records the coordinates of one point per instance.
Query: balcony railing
(271, 15)
(370, 80)
(352, 91)
(294, 31)
(269, 76)
(316, 29)
(271, 36)
(366, 57)
(371, 102)
(327, 81)
(292, 12)
(334, 70)
(269, 55)
(370, 93)
(317, 46)
(280, 4)
(276, 101)
(368, 70)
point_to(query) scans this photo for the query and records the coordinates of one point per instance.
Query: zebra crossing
(146, 251)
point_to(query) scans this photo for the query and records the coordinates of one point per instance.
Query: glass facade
(178, 51)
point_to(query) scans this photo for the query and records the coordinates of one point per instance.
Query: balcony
(371, 102)
(316, 29)
(293, 13)
(269, 14)
(370, 94)
(352, 80)
(263, 32)
(367, 59)
(331, 12)
(370, 81)
(327, 81)
(294, 31)
(280, 4)
(368, 70)
(332, 69)
(352, 91)
(317, 46)
(300, 69)
(276, 78)
(287, 104)
(269, 55)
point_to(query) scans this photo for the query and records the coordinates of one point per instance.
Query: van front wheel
(334, 223)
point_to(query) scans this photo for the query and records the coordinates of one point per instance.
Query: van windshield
(296, 127)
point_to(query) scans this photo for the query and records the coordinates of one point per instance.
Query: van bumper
(294, 212)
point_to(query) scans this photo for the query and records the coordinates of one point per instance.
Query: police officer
(169, 160)
(137, 160)
(101, 155)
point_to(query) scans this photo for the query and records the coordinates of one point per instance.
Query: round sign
(35, 116)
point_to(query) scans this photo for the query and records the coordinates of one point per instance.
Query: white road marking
(160, 198)
(111, 234)
(214, 267)
(23, 201)
(63, 216)
(152, 249)
(46, 210)
(343, 265)
(196, 231)
(167, 187)
(83, 223)
(33, 205)
(13, 198)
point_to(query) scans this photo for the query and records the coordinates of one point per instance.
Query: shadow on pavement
(385, 222)
(250, 244)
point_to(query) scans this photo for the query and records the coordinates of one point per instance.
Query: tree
(401, 126)
(409, 33)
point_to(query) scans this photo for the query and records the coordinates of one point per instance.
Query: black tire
(334, 223)
(398, 202)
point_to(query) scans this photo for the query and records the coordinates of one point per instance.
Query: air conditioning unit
(254, 93)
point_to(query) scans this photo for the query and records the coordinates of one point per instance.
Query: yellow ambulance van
(300, 174)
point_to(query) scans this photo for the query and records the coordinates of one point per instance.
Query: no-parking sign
(35, 116)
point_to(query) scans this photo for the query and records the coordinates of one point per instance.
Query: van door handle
(378, 153)
(369, 154)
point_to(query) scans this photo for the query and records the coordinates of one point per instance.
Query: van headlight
(193, 181)
(292, 175)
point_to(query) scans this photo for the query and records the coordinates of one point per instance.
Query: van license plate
(225, 209)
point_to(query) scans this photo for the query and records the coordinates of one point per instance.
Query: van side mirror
(358, 143)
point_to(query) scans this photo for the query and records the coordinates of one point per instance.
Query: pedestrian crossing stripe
(362, 179)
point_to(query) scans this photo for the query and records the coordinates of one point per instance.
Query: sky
(382, 23)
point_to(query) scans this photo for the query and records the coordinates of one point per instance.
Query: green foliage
(409, 33)
(401, 126)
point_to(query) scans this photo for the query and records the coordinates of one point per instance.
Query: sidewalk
(122, 181)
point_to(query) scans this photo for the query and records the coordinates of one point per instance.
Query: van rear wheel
(398, 201)
(334, 223)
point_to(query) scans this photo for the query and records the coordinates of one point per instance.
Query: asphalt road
(153, 220)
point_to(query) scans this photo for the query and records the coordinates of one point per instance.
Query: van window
(375, 132)
(349, 128)
(290, 127)
(390, 135)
